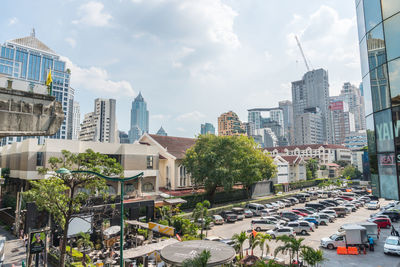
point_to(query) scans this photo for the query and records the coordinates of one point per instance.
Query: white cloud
(190, 116)
(96, 79)
(180, 129)
(267, 55)
(12, 21)
(178, 57)
(92, 14)
(71, 41)
(160, 117)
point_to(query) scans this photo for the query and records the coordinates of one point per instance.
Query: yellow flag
(49, 80)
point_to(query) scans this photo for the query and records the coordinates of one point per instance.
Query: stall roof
(174, 201)
(146, 249)
(137, 223)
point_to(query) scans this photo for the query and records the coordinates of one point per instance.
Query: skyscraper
(207, 128)
(342, 121)
(230, 124)
(100, 125)
(139, 118)
(310, 98)
(161, 132)
(355, 101)
(378, 32)
(287, 109)
(30, 60)
(76, 120)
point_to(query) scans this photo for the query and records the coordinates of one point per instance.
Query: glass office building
(29, 59)
(379, 36)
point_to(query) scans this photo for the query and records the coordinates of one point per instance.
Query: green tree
(239, 239)
(291, 245)
(200, 213)
(311, 169)
(63, 195)
(200, 260)
(84, 243)
(263, 238)
(312, 256)
(223, 161)
(270, 263)
(341, 163)
(352, 172)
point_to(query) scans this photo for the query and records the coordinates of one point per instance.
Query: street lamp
(115, 179)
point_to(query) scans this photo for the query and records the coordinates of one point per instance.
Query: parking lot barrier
(341, 250)
(352, 251)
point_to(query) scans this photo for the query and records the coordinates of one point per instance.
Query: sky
(191, 59)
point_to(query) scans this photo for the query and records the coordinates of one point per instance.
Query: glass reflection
(390, 7)
(360, 21)
(376, 47)
(387, 176)
(384, 131)
(394, 81)
(396, 127)
(371, 135)
(372, 13)
(379, 88)
(364, 57)
(392, 37)
(367, 95)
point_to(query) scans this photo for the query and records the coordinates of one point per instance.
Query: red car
(300, 213)
(346, 198)
(382, 222)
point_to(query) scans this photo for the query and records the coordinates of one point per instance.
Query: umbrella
(112, 230)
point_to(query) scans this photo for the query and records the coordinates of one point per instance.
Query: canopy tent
(147, 249)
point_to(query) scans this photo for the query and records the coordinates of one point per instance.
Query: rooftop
(176, 146)
(302, 147)
(32, 42)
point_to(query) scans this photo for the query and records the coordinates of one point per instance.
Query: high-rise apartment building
(100, 125)
(207, 128)
(342, 121)
(30, 60)
(310, 98)
(76, 120)
(230, 124)
(378, 31)
(139, 118)
(287, 109)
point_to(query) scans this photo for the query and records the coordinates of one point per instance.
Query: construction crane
(302, 53)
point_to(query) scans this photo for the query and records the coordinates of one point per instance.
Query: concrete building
(310, 98)
(171, 150)
(356, 140)
(378, 24)
(342, 121)
(123, 137)
(268, 137)
(28, 59)
(76, 120)
(357, 159)
(24, 159)
(287, 109)
(161, 132)
(326, 154)
(353, 97)
(207, 128)
(289, 169)
(139, 118)
(230, 124)
(100, 125)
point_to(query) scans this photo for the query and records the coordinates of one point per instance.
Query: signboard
(37, 242)
(162, 229)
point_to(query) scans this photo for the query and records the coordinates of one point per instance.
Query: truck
(352, 235)
(372, 229)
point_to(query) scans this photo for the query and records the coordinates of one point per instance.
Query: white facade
(356, 159)
(309, 128)
(76, 120)
(289, 169)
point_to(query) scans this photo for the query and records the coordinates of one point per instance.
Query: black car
(293, 200)
(301, 198)
(290, 215)
(316, 206)
(326, 203)
(332, 201)
(229, 216)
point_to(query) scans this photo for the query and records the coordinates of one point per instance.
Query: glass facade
(29, 59)
(379, 39)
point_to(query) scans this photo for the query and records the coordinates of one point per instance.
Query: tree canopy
(63, 195)
(312, 168)
(223, 161)
(352, 172)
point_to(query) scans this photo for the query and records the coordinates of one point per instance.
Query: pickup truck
(352, 235)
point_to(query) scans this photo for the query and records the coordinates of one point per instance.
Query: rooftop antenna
(302, 53)
(33, 33)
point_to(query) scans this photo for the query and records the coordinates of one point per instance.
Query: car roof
(393, 237)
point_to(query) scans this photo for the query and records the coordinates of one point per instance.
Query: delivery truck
(352, 235)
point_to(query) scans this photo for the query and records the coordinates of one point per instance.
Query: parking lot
(376, 258)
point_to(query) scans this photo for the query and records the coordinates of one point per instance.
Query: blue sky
(191, 59)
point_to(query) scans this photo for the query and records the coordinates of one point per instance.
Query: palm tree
(239, 240)
(200, 260)
(84, 242)
(291, 245)
(262, 242)
(311, 256)
(254, 242)
(270, 263)
(201, 212)
(286, 247)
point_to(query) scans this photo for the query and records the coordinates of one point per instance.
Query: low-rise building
(289, 169)
(26, 157)
(324, 153)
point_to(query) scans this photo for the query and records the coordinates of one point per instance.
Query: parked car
(304, 210)
(381, 222)
(255, 208)
(278, 217)
(271, 207)
(316, 206)
(312, 210)
(351, 206)
(267, 212)
(326, 203)
(275, 205)
(325, 218)
(330, 212)
(281, 204)
(287, 202)
(229, 242)
(334, 202)
(228, 216)
(300, 227)
(340, 211)
(248, 213)
(277, 221)
(293, 200)
(373, 205)
(300, 213)
(262, 225)
(311, 220)
(239, 212)
(300, 198)
(202, 222)
(280, 231)
(290, 215)
(217, 219)
(346, 198)
(392, 245)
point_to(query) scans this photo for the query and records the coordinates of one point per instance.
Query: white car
(392, 245)
(262, 225)
(281, 204)
(276, 220)
(325, 218)
(280, 231)
(373, 205)
(330, 212)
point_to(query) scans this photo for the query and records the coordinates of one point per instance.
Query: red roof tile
(281, 149)
(176, 146)
(290, 159)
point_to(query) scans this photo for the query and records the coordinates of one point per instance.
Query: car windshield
(392, 242)
(333, 237)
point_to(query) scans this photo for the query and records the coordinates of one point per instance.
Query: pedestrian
(371, 243)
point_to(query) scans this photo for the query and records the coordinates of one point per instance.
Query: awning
(175, 201)
(137, 223)
(147, 249)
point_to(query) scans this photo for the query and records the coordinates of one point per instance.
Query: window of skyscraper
(394, 81)
(360, 20)
(372, 13)
(384, 131)
(392, 37)
(376, 47)
(387, 175)
(390, 7)
(367, 95)
(380, 88)
(364, 57)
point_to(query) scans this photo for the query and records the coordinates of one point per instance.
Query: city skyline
(185, 57)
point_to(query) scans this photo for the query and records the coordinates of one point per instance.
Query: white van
(255, 208)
